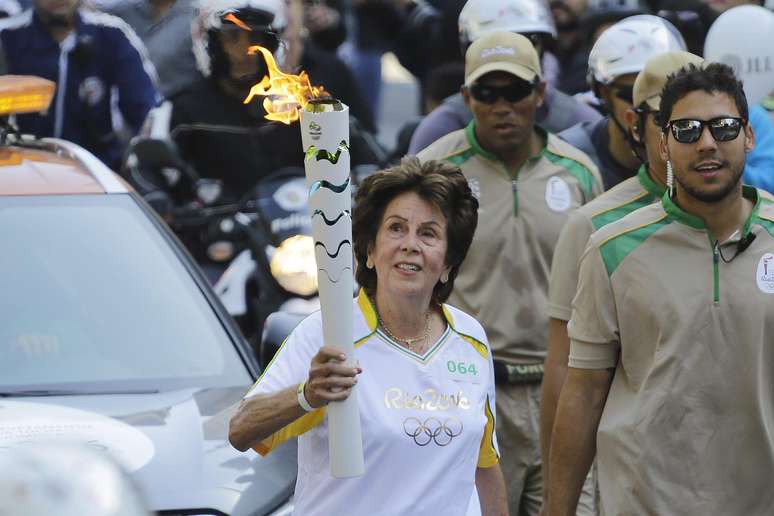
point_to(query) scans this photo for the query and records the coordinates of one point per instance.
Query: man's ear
(633, 124)
(749, 138)
(465, 95)
(540, 90)
(663, 149)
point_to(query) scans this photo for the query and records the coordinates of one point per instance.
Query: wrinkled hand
(330, 378)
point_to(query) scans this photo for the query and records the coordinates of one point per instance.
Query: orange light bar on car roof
(25, 94)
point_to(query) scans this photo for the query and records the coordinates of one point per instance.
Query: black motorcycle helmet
(265, 20)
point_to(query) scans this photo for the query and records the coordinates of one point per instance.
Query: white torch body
(325, 139)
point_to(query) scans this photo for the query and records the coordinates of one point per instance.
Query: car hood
(174, 444)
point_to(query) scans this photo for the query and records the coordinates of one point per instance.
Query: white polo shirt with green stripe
(688, 426)
(503, 282)
(427, 420)
(616, 203)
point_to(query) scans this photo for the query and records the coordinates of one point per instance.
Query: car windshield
(92, 294)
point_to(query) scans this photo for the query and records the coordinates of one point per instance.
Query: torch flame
(285, 93)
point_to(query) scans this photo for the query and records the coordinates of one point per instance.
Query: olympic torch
(325, 138)
(325, 141)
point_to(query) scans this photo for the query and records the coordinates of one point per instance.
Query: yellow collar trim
(368, 309)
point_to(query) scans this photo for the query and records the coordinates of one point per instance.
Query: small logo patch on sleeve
(764, 276)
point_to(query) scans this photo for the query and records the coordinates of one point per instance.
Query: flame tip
(285, 94)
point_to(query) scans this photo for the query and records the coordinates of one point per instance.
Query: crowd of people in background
(563, 118)
(340, 44)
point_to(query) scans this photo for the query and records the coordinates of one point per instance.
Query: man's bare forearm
(555, 371)
(573, 443)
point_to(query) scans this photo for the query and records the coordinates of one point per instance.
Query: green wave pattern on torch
(321, 154)
(330, 186)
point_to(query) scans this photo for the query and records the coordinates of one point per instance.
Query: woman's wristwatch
(302, 398)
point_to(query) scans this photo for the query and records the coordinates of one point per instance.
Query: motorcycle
(257, 251)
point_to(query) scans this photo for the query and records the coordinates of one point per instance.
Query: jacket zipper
(515, 190)
(716, 272)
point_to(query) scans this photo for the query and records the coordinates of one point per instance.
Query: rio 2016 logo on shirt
(558, 196)
(765, 274)
(429, 399)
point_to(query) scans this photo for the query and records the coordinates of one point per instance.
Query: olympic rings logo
(432, 430)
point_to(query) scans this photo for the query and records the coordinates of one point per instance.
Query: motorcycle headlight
(293, 265)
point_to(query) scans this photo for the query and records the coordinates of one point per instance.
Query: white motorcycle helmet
(267, 18)
(9, 8)
(743, 38)
(480, 17)
(65, 480)
(625, 47)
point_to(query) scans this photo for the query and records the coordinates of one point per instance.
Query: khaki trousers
(518, 436)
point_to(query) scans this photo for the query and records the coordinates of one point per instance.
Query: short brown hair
(437, 182)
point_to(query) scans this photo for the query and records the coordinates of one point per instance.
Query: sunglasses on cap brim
(644, 111)
(513, 92)
(722, 128)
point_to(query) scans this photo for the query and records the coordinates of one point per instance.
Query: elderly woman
(424, 373)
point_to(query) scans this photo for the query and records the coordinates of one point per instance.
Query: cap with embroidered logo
(651, 80)
(502, 52)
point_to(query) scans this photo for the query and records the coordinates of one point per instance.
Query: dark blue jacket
(101, 66)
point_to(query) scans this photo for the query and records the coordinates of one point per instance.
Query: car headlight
(293, 265)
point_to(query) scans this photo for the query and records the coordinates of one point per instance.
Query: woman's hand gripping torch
(325, 138)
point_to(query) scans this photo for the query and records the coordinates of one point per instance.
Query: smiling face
(707, 170)
(502, 126)
(409, 251)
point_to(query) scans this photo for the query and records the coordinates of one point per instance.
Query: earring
(369, 263)
(670, 179)
(445, 277)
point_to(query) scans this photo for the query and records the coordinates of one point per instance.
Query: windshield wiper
(31, 393)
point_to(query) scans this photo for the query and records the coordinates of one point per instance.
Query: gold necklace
(408, 341)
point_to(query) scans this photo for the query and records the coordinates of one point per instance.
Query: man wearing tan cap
(643, 189)
(527, 182)
(672, 328)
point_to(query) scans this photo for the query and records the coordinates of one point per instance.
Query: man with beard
(527, 182)
(634, 193)
(671, 329)
(97, 62)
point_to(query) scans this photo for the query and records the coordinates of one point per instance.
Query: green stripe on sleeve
(767, 224)
(584, 176)
(618, 247)
(619, 212)
(460, 157)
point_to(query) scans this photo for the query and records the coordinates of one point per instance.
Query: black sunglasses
(513, 92)
(625, 93)
(722, 128)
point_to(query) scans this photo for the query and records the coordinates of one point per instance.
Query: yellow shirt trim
(487, 453)
(298, 427)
